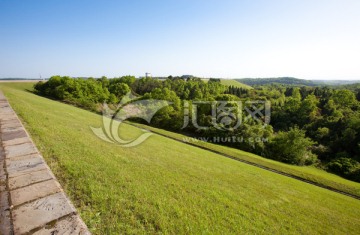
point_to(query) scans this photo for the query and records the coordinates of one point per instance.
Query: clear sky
(310, 39)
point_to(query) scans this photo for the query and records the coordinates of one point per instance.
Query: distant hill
(294, 81)
(281, 80)
(336, 82)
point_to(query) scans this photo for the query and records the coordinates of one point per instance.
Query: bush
(291, 147)
(355, 175)
(81, 92)
(343, 166)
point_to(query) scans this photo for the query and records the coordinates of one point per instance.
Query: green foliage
(119, 89)
(145, 85)
(346, 167)
(237, 91)
(255, 137)
(292, 147)
(322, 132)
(193, 88)
(170, 116)
(86, 93)
(308, 111)
(344, 98)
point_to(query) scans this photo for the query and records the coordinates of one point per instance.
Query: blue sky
(317, 39)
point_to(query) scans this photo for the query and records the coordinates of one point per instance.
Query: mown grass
(232, 82)
(306, 172)
(163, 186)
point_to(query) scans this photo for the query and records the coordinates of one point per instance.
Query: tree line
(309, 125)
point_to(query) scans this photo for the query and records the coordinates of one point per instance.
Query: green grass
(306, 172)
(163, 186)
(232, 82)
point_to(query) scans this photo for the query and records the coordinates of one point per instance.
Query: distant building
(148, 75)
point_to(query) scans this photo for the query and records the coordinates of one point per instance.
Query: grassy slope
(232, 82)
(169, 187)
(306, 172)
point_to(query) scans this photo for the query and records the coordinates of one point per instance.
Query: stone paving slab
(10, 119)
(16, 141)
(70, 225)
(6, 109)
(24, 165)
(2, 152)
(10, 125)
(5, 224)
(7, 114)
(13, 135)
(12, 128)
(4, 199)
(34, 191)
(5, 217)
(31, 199)
(3, 182)
(2, 171)
(24, 171)
(40, 212)
(20, 150)
(30, 178)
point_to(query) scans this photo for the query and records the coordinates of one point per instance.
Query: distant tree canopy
(309, 124)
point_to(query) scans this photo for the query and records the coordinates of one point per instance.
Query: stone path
(31, 199)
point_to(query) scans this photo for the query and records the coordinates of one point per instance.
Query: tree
(344, 98)
(291, 147)
(346, 167)
(308, 110)
(104, 82)
(119, 89)
(169, 117)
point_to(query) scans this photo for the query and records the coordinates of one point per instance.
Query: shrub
(291, 147)
(343, 166)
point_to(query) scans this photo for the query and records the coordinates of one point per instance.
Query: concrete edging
(31, 199)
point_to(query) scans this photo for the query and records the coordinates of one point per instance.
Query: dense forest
(309, 125)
